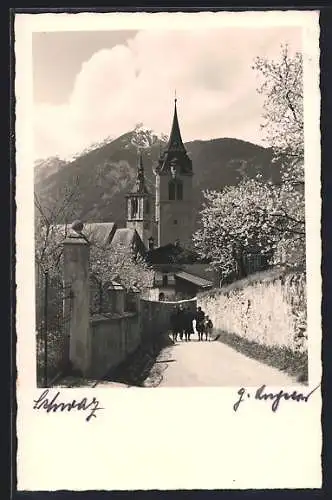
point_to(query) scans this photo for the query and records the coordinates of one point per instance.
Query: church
(159, 226)
(171, 217)
(165, 221)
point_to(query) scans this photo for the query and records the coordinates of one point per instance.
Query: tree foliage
(49, 234)
(107, 262)
(282, 87)
(254, 214)
(119, 263)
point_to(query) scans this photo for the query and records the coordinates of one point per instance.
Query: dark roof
(175, 153)
(175, 140)
(196, 280)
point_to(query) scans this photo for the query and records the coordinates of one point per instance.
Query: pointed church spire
(174, 158)
(140, 179)
(175, 140)
(140, 168)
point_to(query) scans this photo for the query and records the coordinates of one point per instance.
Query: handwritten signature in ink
(262, 395)
(54, 405)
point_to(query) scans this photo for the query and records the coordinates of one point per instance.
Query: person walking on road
(200, 323)
(184, 323)
(181, 316)
(187, 323)
(174, 323)
(208, 327)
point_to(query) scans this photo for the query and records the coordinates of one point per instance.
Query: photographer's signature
(262, 394)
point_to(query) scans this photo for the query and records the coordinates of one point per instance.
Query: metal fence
(53, 311)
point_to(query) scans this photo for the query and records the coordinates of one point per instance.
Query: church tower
(174, 202)
(139, 206)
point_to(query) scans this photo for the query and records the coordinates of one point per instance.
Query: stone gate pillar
(76, 253)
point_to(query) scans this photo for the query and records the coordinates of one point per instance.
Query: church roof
(124, 236)
(104, 233)
(129, 238)
(98, 231)
(175, 140)
(175, 154)
(101, 231)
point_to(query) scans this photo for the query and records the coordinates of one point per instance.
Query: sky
(89, 85)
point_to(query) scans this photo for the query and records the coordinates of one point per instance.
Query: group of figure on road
(185, 322)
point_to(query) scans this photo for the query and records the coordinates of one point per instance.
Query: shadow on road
(136, 368)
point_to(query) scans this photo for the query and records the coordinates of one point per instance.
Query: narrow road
(210, 364)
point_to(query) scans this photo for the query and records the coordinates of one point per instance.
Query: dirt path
(199, 364)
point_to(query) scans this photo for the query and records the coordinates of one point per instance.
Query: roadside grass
(293, 363)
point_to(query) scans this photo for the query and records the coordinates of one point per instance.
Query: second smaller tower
(139, 206)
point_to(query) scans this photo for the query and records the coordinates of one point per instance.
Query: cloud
(127, 84)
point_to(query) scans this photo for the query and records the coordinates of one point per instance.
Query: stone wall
(113, 338)
(155, 316)
(76, 253)
(268, 308)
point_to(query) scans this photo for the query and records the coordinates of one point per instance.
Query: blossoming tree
(255, 213)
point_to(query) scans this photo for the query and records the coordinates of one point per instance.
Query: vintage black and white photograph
(170, 242)
(168, 250)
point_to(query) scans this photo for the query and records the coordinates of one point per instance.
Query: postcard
(168, 251)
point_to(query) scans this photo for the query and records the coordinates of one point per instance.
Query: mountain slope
(106, 173)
